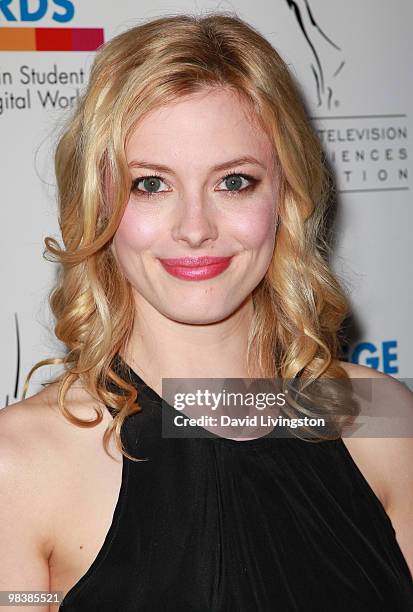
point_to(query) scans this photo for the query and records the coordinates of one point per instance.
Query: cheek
(256, 227)
(133, 233)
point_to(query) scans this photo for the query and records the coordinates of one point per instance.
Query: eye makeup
(231, 193)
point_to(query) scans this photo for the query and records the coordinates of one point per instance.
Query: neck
(163, 348)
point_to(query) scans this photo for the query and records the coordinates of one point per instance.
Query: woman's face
(199, 203)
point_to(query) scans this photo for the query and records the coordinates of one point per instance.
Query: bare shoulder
(27, 431)
(35, 428)
(356, 370)
(390, 396)
(40, 453)
(26, 435)
(37, 422)
(387, 462)
(388, 459)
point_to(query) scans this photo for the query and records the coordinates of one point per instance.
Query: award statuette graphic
(326, 57)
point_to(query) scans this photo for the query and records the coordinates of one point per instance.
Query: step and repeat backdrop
(353, 61)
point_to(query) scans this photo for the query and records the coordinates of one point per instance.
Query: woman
(192, 142)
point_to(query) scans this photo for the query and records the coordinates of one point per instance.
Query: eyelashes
(228, 192)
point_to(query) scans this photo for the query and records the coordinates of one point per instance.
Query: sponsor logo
(366, 152)
(60, 11)
(381, 356)
(24, 87)
(33, 38)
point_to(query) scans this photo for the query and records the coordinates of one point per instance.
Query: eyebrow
(238, 161)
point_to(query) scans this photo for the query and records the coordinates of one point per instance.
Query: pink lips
(196, 268)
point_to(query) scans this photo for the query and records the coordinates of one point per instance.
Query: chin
(204, 316)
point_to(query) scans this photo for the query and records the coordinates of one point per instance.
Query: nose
(195, 222)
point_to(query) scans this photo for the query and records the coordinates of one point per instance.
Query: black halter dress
(218, 525)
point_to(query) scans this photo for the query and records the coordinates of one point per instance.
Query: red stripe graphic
(51, 39)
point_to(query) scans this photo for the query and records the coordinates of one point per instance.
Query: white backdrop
(353, 60)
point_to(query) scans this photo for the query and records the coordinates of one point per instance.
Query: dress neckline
(123, 368)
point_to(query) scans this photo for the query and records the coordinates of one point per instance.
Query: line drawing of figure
(327, 60)
(18, 361)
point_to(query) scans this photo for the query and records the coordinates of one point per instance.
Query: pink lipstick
(196, 268)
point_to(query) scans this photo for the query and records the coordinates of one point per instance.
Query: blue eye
(150, 184)
(234, 182)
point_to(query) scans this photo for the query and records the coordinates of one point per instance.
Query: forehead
(205, 127)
